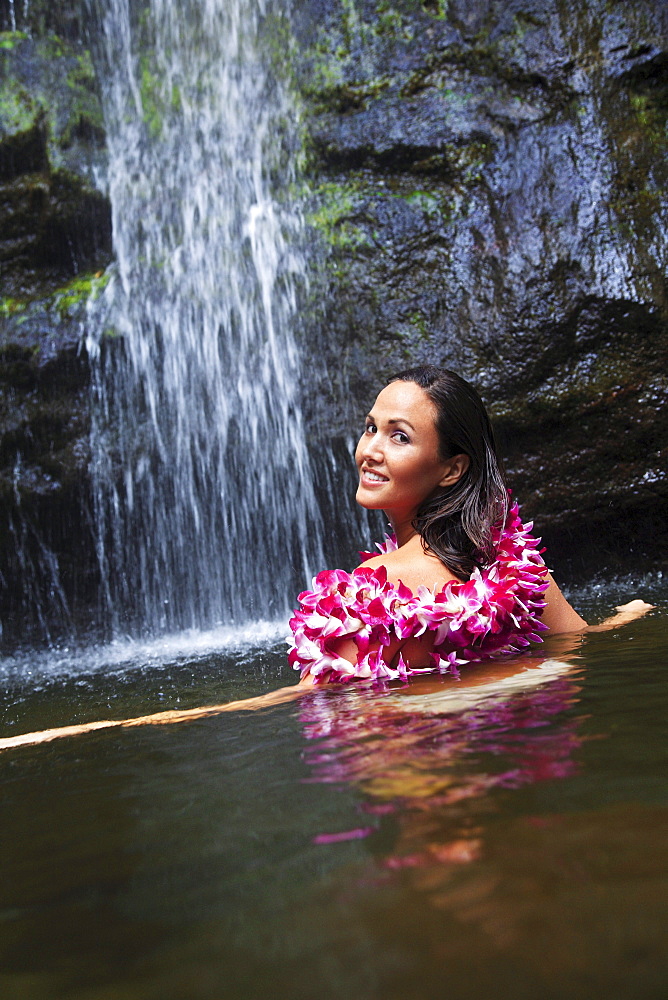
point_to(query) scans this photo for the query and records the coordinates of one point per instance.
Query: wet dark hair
(456, 521)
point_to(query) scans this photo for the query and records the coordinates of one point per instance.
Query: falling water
(204, 504)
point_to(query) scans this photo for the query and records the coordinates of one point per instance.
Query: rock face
(488, 190)
(55, 236)
(491, 182)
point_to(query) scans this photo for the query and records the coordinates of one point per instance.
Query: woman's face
(398, 454)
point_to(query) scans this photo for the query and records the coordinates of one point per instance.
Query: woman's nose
(370, 448)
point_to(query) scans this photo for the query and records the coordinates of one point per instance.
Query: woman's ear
(455, 469)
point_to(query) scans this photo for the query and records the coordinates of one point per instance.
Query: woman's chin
(367, 500)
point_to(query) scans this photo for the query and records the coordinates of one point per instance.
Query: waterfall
(203, 499)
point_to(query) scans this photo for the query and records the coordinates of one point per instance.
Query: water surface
(409, 843)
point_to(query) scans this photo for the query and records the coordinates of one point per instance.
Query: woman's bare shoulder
(413, 567)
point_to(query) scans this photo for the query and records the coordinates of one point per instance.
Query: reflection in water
(431, 759)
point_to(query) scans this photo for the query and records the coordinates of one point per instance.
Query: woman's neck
(402, 528)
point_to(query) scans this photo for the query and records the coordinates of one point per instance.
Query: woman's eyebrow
(401, 420)
(392, 420)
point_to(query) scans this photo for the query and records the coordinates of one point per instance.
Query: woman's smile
(372, 478)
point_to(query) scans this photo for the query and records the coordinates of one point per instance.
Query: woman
(462, 579)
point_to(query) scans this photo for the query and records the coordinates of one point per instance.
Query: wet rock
(489, 193)
(47, 555)
(54, 221)
(55, 239)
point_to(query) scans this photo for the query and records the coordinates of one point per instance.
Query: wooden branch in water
(156, 719)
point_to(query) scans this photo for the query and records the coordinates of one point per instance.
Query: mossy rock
(46, 536)
(51, 82)
(55, 222)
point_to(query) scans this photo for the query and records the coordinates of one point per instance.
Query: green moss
(639, 141)
(334, 78)
(437, 9)
(355, 30)
(388, 20)
(150, 98)
(66, 300)
(279, 43)
(11, 307)
(391, 23)
(156, 102)
(326, 73)
(418, 324)
(426, 201)
(8, 39)
(335, 203)
(334, 215)
(80, 290)
(18, 109)
(82, 74)
(650, 114)
(53, 47)
(85, 118)
(52, 81)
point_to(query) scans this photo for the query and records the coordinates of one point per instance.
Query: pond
(436, 840)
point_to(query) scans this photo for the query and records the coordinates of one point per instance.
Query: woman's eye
(401, 437)
(370, 429)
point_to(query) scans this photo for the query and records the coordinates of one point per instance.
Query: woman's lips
(372, 478)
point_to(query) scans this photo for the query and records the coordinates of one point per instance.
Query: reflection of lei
(494, 613)
(386, 746)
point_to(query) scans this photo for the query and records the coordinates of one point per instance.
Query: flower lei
(494, 613)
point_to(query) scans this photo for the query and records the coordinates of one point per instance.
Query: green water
(364, 844)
